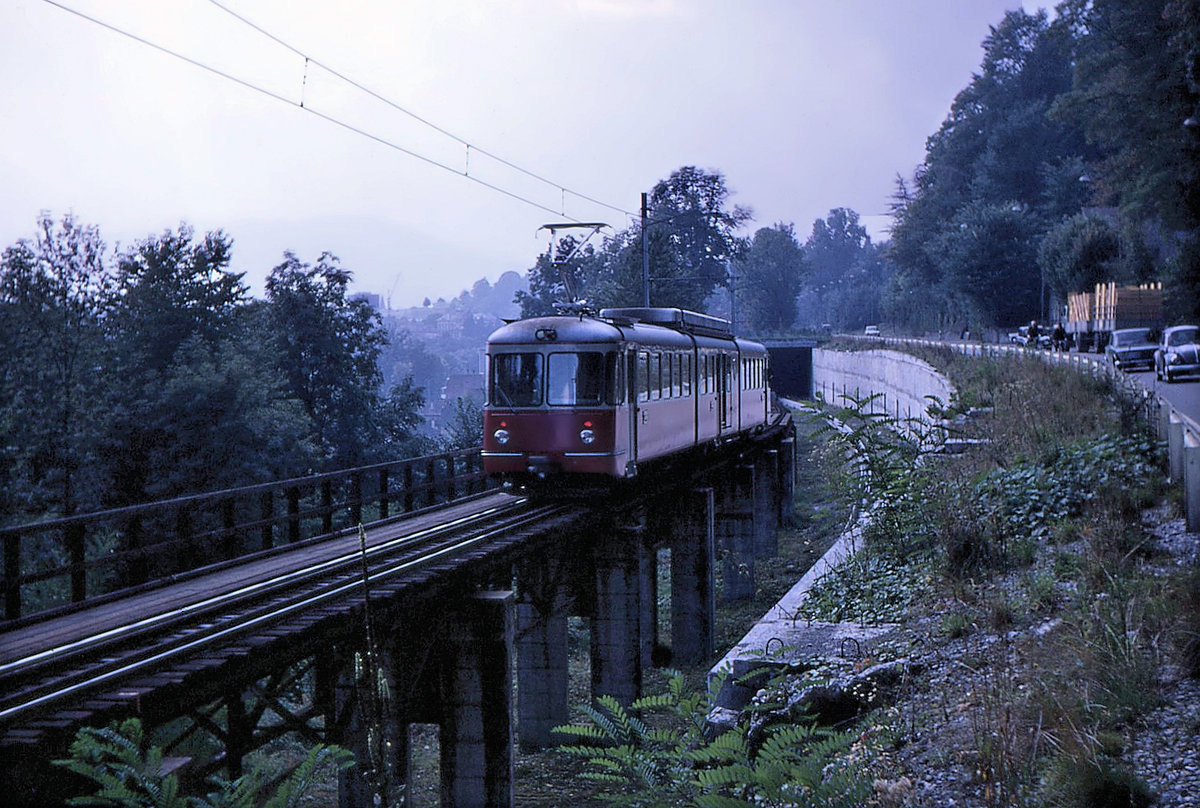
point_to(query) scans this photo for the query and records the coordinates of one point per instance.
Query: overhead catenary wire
(301, 104)
(420, 119)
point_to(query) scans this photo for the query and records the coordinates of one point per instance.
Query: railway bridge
(228, 620)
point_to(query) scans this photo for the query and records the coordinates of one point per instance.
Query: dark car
(1131, 348)
(1178, 352)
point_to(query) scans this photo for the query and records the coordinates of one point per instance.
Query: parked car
(1130, 348)
(1177, 352)
(872, 331)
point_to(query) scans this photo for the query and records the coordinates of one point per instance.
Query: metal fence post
(12, 576)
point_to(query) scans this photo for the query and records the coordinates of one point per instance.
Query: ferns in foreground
(655, 753)
(129, 774)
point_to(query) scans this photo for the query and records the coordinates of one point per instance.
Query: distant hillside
(483, 297)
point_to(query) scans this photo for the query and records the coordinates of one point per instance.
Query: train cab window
(585, 378)
(516, 380)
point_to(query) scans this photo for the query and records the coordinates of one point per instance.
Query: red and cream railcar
(598, 396)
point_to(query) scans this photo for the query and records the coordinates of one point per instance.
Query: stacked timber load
(1080, 312)
(1127, 306)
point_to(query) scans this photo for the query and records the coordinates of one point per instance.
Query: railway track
(164, 631)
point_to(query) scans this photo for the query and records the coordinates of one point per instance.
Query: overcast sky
(803, 106)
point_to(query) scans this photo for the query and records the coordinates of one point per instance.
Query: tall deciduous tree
(987, 255)
(194, 410)
(693, 236)
(170, 289)
(328, 347)
(997, 149)
(846, 275)
(1079, 253)
(53, 387)
(1132, 96)
(768, 279)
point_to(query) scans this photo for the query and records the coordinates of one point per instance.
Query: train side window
(685, 363)
(516, 380)
(656, 376)
(645, 381)
(668, 373)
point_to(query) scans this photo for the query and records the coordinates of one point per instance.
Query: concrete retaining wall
(903, 383)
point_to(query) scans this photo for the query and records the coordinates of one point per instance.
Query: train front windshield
(584, 378)
(516, 380)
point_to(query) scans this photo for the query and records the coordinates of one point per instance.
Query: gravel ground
(965, 696)
(1165, 749)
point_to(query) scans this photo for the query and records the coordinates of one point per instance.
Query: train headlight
(500, 436)
(587, 436)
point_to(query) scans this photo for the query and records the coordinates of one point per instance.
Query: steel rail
(43, 695)
(263, 588)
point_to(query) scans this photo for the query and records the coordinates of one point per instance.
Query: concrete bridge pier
(618, 622)
(355, 715)
(455, 672)
(786, 486)
(736, 534)
(766, 505)
(692, 536)
(542, 675)
(477, 726)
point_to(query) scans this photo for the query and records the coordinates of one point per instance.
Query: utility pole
(645, 253)
(731, 270)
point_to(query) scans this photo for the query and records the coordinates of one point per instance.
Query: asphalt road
(1183, 394)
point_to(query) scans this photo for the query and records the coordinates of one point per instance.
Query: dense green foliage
(151, 373)
(691, 236)
(655, 753)
(847, 274)
(1065, 161)
(127, 772)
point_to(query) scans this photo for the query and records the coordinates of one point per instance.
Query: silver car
(1130, 348)
(1177, 352)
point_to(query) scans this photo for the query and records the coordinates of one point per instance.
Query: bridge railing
(1180, 433)
(51, 564)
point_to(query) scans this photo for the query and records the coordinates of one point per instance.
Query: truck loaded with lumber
(1093, 316)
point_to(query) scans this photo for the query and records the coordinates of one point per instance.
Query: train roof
(558, 328)
(661, 326)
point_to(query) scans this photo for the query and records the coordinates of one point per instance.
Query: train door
(725, 391)
(633, 382)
